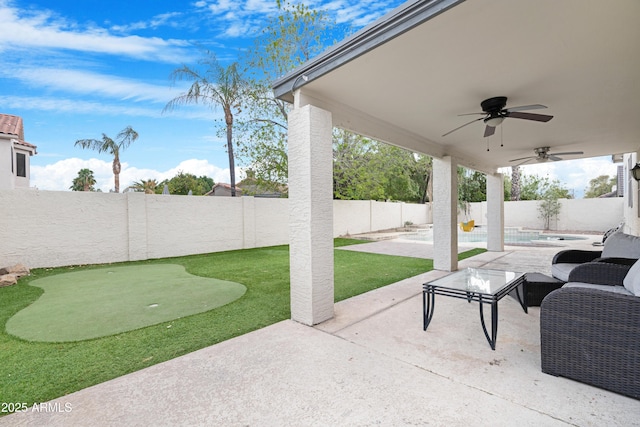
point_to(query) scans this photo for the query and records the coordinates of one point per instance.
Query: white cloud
(90, 83)
(59, 176)
(222, 6)
(32, 30)
(61, 105)
(164, 19)
(241, 19)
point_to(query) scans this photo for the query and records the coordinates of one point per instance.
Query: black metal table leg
(494, 322)
(428, 304)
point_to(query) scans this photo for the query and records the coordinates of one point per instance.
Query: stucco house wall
(15, 153)
(597, 215)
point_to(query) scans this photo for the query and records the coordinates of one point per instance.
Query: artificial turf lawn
(95, 303)
(34, 372)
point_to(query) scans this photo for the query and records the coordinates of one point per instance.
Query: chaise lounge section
(590, 328)
(619, 248)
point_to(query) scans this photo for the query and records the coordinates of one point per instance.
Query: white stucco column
(495, 212)
(445, 214)
(311, 214)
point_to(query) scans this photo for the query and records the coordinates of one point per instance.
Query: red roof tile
(12, 125)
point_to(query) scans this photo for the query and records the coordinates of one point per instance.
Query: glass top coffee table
(474, 284)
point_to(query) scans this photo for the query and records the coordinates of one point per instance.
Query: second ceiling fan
(494, 113)
(543, 155)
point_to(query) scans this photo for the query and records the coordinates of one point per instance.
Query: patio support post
(495, 212)
(311, 214)
(445, 214)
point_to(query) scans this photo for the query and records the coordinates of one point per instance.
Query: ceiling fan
(543, 155)
(494, 114)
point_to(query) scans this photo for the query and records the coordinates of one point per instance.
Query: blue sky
(77, 69)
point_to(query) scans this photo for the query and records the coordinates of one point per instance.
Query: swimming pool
(512, 235)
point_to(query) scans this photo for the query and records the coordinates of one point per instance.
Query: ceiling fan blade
(525, 161)
(489, 130)
(472, 114)
(567, 153)
(530, 116)
(554, 158)
(460, 127)
(526, 107)
(523, 158)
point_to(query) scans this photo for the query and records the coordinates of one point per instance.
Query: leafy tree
(601, 185)
(214, 86)
(364, 169)
(124, 139)
(147, 186)
(534, 187)
(507, 188)
(183, 182)
(423, 176)
(472, 187)
(404, 175)
(85, 181)
(292, 37)
(550, 191)
(549, 207)
(353, 179)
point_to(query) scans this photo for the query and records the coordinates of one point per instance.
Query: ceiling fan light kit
(494, 121)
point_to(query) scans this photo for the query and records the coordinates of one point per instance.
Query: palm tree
(124, 139)
(148, 186)
(217, 86)
(516, 174)
(84, 181)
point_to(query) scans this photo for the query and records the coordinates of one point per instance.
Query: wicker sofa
(619, 248)
(590, 328)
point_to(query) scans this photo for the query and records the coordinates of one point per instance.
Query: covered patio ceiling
(405, 78)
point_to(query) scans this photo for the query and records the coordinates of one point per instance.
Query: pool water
(511, 235)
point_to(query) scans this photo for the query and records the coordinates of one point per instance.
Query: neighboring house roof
(12, 125)
(222, 185)
(250, 186)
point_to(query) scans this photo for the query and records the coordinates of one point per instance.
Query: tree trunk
(428, 188)
(232, 168)
(515, 183)
(116, 173)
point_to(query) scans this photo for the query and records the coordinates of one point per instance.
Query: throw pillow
(632, 280)
(621, 245)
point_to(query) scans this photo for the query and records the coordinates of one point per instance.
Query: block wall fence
(57, 228)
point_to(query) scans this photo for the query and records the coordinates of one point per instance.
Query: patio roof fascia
(388, 27)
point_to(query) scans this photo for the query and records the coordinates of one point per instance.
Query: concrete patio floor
(370, 365)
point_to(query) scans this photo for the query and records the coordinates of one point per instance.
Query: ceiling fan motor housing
(494, 105)
(542, 151)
